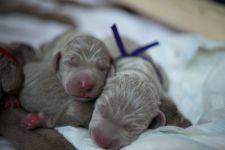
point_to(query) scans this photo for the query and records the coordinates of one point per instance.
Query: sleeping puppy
(80, 61)
(11, 76)
(130, 103)
(13, 56)
(77, 77)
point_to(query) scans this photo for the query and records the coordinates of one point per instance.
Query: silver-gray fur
(81, 62)
(42, 92)
(49, 49)
(131, 102)
(80, 68)
(11, 73)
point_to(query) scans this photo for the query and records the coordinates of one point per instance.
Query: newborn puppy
(13, 56)
(128, 104)
(49, 105)
(78, 75)
(133, 99)
(81, 63)
(11, 76)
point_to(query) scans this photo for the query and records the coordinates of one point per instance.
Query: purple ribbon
(122, 49)
(135, 52)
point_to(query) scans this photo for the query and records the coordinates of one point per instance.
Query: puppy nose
(86, 85)
(102, 139)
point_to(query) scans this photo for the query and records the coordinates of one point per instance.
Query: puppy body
(11, 73)
(132, 102)
(11, 76)
(128, 104)
(80, 66)
(42, 89)
(81, 63)
(43, 92)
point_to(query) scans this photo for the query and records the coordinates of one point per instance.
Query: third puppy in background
(13, 56)
(131, 102)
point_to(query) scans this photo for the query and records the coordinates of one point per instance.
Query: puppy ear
(158, 120)
(55, 61)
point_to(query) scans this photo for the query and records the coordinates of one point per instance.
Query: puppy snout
(86, 85)
(102, 138)
(81, 84)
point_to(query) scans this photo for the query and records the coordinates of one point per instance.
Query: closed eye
(72, 61)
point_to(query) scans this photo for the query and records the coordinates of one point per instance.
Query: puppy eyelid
(72, 61)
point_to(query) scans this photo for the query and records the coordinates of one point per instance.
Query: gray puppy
(131, 102)
(78, 75)
(11, 75)
(128, 104)
(13, 56)
(81, 63)
(49, 105)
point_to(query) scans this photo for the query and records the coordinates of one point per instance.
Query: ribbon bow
(122, 49)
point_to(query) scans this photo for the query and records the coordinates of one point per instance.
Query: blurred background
(37, 21)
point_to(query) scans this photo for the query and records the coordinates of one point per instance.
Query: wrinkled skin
(131, 102)
(55, 95)
(134, 99)
(128, 104)
(82, 67)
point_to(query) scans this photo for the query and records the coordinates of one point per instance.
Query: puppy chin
(83, 99)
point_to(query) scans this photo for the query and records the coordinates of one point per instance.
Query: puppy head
(83, 66)
(123, 111)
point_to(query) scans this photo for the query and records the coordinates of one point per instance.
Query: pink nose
(86, 85)
(101, 139)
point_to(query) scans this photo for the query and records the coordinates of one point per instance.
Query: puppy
(13, 56)
(132, 101)
(55, 96)
(128, 104)
(80, 61)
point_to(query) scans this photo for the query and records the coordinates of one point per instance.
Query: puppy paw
(33, 120)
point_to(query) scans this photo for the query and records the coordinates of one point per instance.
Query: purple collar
(123, 52)
(135, 52)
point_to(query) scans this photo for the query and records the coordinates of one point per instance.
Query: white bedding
(187, 59)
